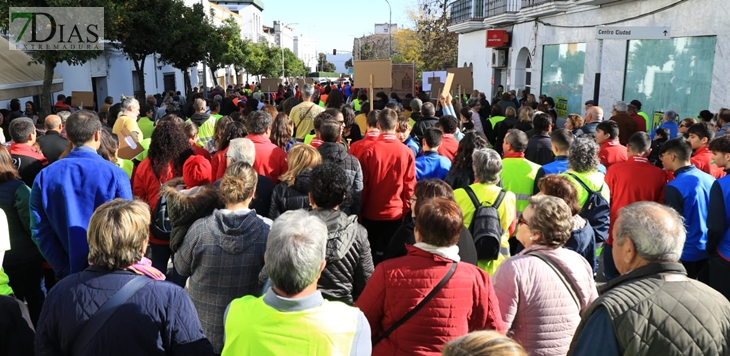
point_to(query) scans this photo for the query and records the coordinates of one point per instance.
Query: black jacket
(287, 198)
(335, 153)
(14, 202)
(460, 178)
(540, 150)
(15, 327)
(52, 145)
(502, 128)
(421, 125)
(349, 260)
(405, 235)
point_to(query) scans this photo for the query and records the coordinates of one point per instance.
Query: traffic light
(334, 52)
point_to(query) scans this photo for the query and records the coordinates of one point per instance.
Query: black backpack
(596, 210)
(485, 227)
(161, 227)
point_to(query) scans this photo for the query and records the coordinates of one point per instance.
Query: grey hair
(128, 102)
(295, 249)
(21, 128)
(487, 165)
(657, 231)
(671, 115)
(307, 90)
(551, 220)
(241, 150)
(517, 139)
(583, 155)
(64, 115)
(428, 109)
(258, 121)
(620, 106)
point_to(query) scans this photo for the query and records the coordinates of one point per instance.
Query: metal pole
(283, 74)
(390, 30)
(205, 69)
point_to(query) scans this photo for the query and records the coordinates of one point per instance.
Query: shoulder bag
(563, 276)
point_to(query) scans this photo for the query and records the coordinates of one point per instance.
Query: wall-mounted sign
(633, 33)
(497, 38)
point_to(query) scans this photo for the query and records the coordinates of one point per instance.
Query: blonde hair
(483, 343)
(117, 233)
(576, 120)
(300, 158)
(238, 184)
(526, 114)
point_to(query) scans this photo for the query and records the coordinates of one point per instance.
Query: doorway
(100, 89)
(523, 70)
(168, 80)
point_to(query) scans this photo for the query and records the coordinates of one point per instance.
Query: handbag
(563, 276)
(106, 311)
(419, 306)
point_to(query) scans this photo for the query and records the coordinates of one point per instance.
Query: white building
(384, 29)
(306, 49)
(552, 48)
(251, 11)
(283, 36)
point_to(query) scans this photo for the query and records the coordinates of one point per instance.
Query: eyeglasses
(682, 125)
(522, 221)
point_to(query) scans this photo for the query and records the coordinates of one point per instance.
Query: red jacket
(702, 159)
(466, 303)
(360, 146)
(633, 181)
(218, 164)
(389, 178)
(449, 146)
(612, 152)
(200, 151)
(146, 187)
(270, 158)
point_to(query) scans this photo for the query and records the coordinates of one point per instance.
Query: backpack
(485, 226)
(596, 210)
(161, 227)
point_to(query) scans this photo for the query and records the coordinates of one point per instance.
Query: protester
(652, 308)
(699, 139)
(158, 317)
(496, 116)
(292, 316)
(524, 123)
(61, 237)
(594, 116)
(243, 150)
(669, 121)
(27, 159)
(52, 143)
(431, 164)
(560, 141)
(463, 302)
(483, 343)
(612, 150)
(518, 174)
(428, 119)
(231, 131)
(372, 134)
(349, 260)
(270, 159)
(224, 253)
(292, 192)
(449, 144)
(573, 123)
(684, 126)
(129, 111)
(334, 152)
(539, 149)
(718, 240)
(403, 133)
(626, 125)
(282, 131)
(544, 290)
(461, 173)
(303, 114)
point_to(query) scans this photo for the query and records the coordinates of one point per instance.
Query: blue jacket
(583, 242)
(559, 165)
(159, 319)
(413, 145)
(432, 165)
(64, 196)
(689, 195)
(671, 126)
(718, 219)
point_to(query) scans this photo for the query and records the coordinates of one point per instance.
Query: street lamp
(281, 44)
(390, 31)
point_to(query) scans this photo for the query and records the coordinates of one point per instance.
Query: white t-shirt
(4, 236)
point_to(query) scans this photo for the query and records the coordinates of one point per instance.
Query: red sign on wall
(497, 38)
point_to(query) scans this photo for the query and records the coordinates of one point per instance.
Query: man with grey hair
(594, 115)
(626, 124)
(427, 120)
(487, 171)
(25, 158)
(244, 150)
(128, 117)
(669, 122)
(52, 143)
(304, 113)
(270, 158)
(653, 308)
(292, 316)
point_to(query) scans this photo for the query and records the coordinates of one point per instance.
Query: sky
(334, 24)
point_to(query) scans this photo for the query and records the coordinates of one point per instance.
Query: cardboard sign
(309, 81)
(381, 70)
(129, 147)
(82, 98)
(404, 76)
(427, 77)
(463, 77)
(449, 82)
(300, 83)
(435, 86)
(270, 85)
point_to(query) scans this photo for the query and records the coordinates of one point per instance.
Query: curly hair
(329, 185)
(220, 130)
(169, 145)
(551, 219)
(583, 155)
(472, 140)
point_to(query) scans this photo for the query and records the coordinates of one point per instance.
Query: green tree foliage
(437, 44)
(293, 65)
(348, 63)
(257, 59)
(323, 65)
(187, 41)
(224, 47)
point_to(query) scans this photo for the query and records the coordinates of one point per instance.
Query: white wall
(306, 49)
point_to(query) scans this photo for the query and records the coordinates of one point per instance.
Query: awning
(17, 78)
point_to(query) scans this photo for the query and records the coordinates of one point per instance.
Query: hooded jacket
(349, 261)
(186, 206)
(199, 118)
(335, 153)
(421, 125)
(223, 254)
(287, 198)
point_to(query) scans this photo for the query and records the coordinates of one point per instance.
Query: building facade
(551, 47)
(306, 49)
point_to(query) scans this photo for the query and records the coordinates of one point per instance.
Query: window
(562, 76)
(671, 74)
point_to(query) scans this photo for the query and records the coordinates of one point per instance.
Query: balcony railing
(529, 3)
(461, 11)
(499, 7)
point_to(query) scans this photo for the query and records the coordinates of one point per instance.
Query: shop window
(562, 76)
(671, 74)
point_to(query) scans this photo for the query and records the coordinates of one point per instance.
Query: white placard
(633, 33)
(425, 84)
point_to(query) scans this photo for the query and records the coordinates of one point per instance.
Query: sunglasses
(522, 221)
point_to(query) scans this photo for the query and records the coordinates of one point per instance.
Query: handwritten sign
(561, 106)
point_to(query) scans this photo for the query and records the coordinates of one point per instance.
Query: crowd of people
(312, 221)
